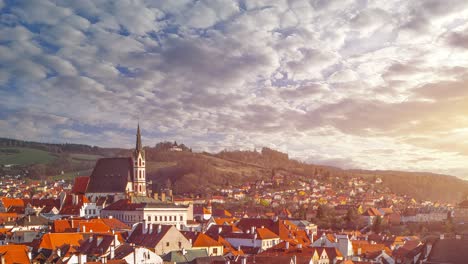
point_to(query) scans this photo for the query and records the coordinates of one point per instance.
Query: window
(155, 218)
(149, 217)
(165, 218)
(180, 244)
(215, 250)
(139, 160)
(181, 218)
(167, 244)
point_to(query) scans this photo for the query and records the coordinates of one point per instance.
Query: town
(111, 216)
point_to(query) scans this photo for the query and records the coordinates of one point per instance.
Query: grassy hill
(24, 156)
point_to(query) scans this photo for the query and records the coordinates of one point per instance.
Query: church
(120, 177)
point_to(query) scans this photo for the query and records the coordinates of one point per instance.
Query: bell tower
(139, 173)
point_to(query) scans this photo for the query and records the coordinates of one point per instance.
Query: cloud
(347, 83)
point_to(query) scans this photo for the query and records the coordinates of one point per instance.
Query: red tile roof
(80, 185)
(15, 254)
(203, 240)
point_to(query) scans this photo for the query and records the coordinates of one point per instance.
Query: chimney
(220, 229)
(150, 229)
(299, 246)
(170, 194)
(244, 260)
(159, 228)
(112, 252)
(59, 252)
(163, 197)
(442, 236)
(287, 245)
(359, 251)
(156, 196)
(29, 218)
(252, 229)
(84, 229)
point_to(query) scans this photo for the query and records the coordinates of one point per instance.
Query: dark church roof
(110, 175)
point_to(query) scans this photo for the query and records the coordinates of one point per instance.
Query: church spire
(138, 140)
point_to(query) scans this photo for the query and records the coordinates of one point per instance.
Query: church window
(139, 160)
(140, 188)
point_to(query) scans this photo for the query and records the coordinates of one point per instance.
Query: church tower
(139, 174)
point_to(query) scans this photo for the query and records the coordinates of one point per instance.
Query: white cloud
(328, 81)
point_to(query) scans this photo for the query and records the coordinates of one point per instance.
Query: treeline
(268, 158)
(50, 147)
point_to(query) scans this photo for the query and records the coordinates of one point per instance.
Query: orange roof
(54, 240)
(265, 233)
(95, 226)
(15, 254)
(60, 226)
(206, 211)
(367, 248)
(203, 240)
(7, 202)
(113, 223)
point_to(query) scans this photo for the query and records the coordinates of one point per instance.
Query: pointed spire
(138, 139)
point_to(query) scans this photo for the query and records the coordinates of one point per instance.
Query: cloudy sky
(357, 84)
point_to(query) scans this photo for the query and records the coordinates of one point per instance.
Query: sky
(354, 84)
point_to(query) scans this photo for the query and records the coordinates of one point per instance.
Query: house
(23, 237)
(97, 247)
(160, 238)
(212, 247)
(447, 250)
(184, 256)
(370, 214)
(139, 209)
(261, 238)
(32, 222)
(10, 254)
(132, 255)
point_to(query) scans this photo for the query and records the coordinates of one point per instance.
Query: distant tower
(139, 174)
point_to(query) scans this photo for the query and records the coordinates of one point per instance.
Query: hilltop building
(119, 177)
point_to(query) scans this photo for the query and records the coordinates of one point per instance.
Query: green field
(24, 156)
(84, 157)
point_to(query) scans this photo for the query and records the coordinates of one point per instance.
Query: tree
(352, 217)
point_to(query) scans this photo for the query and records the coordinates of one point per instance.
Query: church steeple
(139, 172)
(138, 139)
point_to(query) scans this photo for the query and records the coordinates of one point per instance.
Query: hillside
(204, 173)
